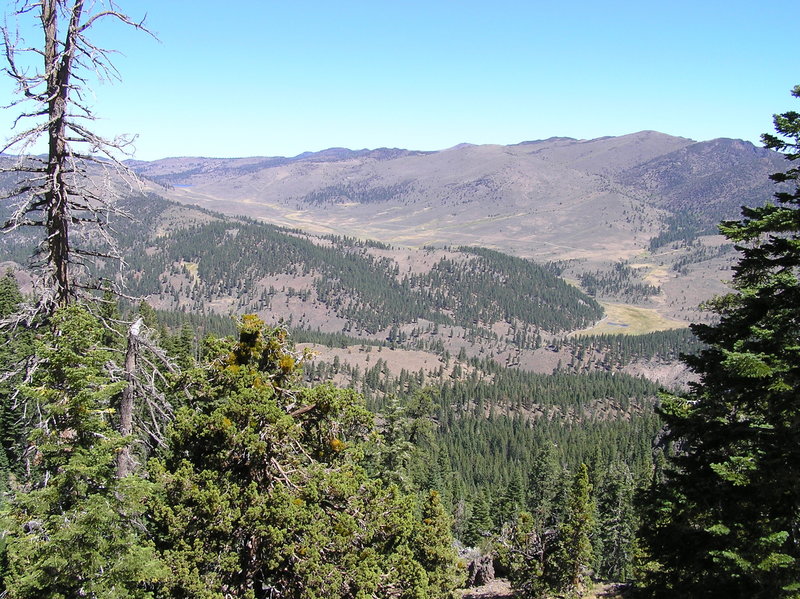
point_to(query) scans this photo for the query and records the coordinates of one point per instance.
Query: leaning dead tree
(68, 193)
(142, 371)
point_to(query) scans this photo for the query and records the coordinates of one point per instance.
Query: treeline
(696, 253)
(616, 351)
(360, 193)
(495, 287)
(621, 282)
(683, 227)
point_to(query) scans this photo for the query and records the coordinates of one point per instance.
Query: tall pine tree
(74, 529)
(726, 520)
(572, 558)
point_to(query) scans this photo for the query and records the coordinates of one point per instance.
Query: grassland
(630, 320)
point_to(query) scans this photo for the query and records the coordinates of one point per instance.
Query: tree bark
(124, 459)
(58, 70)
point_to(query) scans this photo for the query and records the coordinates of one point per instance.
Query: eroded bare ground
(613, 590)
(500, 587)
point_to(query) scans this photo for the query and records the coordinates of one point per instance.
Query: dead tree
(69, 192)
(124, 461)
(65, 192)
(143, 407)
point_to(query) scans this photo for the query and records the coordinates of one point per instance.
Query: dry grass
(630, 320)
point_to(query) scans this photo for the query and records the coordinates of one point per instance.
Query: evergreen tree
(543, 484)
(108, 311)
(616, 524)
(726, 521)
(15, 347)
(182, 346)
(266, 494)
(543, 561)
(480, 522)
(522, 548)
(10, 296)
(568, 567)
(509, 503)
(148, 316)
(434, 548)
(75, 530)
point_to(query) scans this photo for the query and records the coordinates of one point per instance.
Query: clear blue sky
(258, 77)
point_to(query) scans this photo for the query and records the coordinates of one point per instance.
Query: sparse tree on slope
(726, 521)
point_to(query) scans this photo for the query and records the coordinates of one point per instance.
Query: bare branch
(65, 184)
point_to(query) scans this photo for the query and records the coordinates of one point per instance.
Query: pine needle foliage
(266, 491)
(73, 528)
(725, 522)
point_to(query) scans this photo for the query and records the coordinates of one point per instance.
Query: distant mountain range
(558, 198)
(647, 199)
(629, 220)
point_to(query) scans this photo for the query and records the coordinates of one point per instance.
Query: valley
(646, 199)
(525, 305)
(377, 244)
(555, 368)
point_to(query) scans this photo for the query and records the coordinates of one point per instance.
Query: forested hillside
(469, 411)
(204, 267)
(502, 410)
(479, 448)
(487, 436)
(486, 399)
(198, 405)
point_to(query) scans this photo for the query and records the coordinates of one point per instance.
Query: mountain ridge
(549, 199)
(629, 218)
(646, 199)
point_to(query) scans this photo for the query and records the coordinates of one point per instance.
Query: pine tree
(75, 530)
(725, 521)
(509, 503)
(15, 345)
(522, 548)
(568, 567)
(480, 524)
(434, 548)
(543, 485)
(108, 311)
(10, 296)
(616, 524)
(266, 491)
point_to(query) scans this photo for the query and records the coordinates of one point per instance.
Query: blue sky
(266, 78)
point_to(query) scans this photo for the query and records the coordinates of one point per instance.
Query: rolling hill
(628, 220)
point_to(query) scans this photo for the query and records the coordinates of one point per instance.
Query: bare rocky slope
(559, 198)
(647, 198)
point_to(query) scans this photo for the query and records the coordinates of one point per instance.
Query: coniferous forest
(196, 450)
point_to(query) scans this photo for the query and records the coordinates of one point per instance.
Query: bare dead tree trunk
(124, 459)
(60, 193)
(58, 69)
